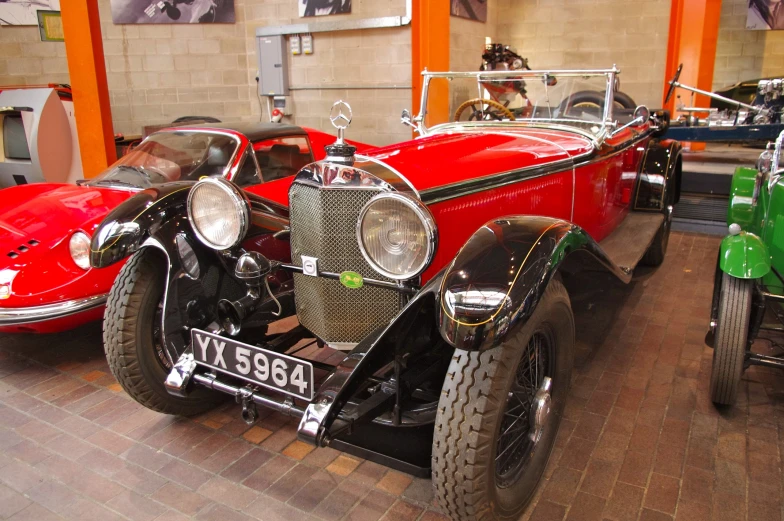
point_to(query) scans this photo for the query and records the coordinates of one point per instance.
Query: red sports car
(46, 282)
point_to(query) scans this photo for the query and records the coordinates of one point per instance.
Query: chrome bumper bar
(183, 373)
(32, 314)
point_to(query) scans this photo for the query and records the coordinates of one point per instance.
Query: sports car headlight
(218, 212)
(397, 235)
(79, 246)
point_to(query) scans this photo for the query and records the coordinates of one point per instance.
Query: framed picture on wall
(765, 15)
(50, 24)
(471, 9)
(25, 12)
(323, 7)
(172, 11)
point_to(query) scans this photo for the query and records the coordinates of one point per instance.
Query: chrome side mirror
(641, 116)
(405, 118)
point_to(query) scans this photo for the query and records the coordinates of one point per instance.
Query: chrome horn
(251, 268)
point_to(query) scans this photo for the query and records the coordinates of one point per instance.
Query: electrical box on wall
(273, 74)
(294, 44)
(282, 104)
(307, 44)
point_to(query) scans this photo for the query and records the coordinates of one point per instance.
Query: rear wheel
(731, 339)
(499, 413)
(133, 341)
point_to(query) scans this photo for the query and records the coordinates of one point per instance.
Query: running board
(627, 244)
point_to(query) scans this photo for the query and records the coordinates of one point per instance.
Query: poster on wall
(25, 12)
(323, 7)
(765, 15)
(172, 11)
(471, 9)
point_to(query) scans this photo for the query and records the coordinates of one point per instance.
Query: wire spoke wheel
(498, 415)
(519, 433)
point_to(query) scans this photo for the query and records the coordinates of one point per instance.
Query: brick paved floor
(640, 439)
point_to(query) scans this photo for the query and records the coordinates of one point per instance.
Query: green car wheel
(732, 333)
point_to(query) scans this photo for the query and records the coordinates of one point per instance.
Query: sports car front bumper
(46, 312)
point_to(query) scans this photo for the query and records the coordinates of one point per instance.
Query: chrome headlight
(397, 235)
(218, 212)
(79, 247)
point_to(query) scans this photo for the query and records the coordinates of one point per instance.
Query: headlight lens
(79, 246)
(218, 213)
(397, 235)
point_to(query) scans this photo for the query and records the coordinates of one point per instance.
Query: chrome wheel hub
(540, 409)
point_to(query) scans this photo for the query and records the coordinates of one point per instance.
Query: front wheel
(499, 413)
(132, 338)
(731, 338)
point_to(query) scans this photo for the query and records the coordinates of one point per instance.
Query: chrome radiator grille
(323, 225)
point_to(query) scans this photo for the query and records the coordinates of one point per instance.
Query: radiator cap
(340, 151)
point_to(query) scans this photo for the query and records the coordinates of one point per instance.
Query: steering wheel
(478, 112)
(672, 83)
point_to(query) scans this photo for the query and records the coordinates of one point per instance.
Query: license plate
(256, 365)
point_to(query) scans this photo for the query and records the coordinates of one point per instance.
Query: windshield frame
(607, 123)
(228, 171)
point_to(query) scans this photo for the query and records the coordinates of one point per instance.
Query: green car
(749, 274)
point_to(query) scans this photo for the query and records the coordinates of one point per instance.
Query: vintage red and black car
(439, 267)
(46, 282)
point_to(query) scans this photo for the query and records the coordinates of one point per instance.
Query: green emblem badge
(351, 279)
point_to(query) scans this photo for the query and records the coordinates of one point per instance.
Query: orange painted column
(430, 49)
(87, 70)
(694, 31)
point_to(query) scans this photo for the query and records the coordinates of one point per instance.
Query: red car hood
(48, 214)
(453, 157)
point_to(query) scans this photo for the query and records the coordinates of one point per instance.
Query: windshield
(542, 97)
(171, 156)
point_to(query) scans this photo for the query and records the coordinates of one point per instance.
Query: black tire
(129, 338)
(472, 409)
(596, 99)
(731, 339)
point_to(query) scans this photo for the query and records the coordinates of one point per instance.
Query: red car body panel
(478, 154)
(595, 196)
(50, 213)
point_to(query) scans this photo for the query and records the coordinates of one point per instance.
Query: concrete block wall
(157, 73)
(742, 54)
(592, 34)
(26, 60)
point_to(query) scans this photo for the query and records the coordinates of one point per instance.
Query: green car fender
(740, 209)
(744, 256)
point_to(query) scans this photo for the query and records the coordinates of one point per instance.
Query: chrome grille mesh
(323, 225)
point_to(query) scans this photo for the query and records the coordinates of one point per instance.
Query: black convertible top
(252, 131)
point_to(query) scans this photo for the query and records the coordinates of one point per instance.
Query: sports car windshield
(171, 156)
(574, 98)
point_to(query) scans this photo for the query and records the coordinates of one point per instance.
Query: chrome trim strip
(34, 314)
(481, 184)
(516, 74)
(472, 186)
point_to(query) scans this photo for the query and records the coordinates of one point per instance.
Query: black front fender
(660, 174)
(126, 227)
(494, 284)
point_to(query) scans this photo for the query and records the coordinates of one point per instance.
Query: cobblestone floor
(640, 439)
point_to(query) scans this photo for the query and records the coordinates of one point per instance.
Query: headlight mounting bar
(402, 288)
